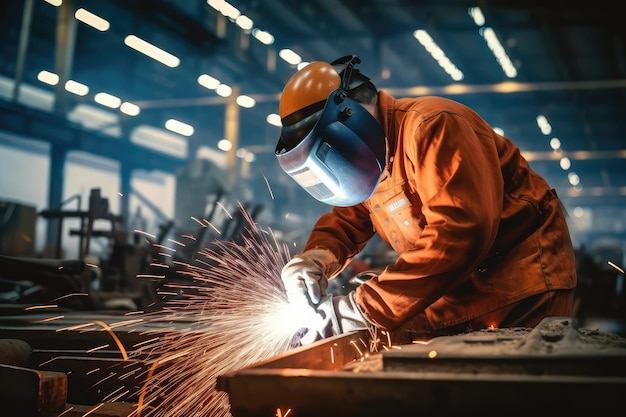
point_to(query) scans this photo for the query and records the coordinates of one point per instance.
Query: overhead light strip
(152, 51)
(438, 54)
(92, 20)
(490, 37)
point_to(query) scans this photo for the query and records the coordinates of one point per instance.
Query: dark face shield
(341, 159)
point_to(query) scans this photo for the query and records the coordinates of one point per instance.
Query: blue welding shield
(339, 153)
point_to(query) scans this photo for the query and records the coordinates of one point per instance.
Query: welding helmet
(330, 144)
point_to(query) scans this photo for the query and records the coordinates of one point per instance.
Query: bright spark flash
(238, 314)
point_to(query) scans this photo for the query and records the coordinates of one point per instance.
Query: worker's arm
(344, 231)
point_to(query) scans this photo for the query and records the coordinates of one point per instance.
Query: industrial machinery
(553, 369)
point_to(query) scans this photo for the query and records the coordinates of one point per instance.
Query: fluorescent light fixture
(48, 77)
(498, 51)
(224, 90)
(573, 178)
(55, 3)
(244, 22)
(438, 55)
(209, 82)
(273, 119)
(477, 15)
(152, 51)
(290, 56)
(179, 127)
(130, 108)
(92, 20)
(76, 88)
(302, 65)
(225, 8)
(555, 143)
(263, 36)
(225, 145)
(246, 101)
(107, 100)
(544, 124)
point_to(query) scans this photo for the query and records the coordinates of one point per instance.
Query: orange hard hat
(310, 85)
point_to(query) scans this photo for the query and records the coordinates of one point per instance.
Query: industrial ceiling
(570, 58)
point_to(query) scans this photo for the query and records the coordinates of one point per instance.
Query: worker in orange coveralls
(481, 238)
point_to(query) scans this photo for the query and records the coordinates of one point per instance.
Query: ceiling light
(437, 53)
(224, 90)
(544, 125)
(208, 82)
(55, 3)
(224, 8)
(246, 101)
(48, 77)
(107, 100)
(302, 65)
(273, 119)
(565, 163)
(225, 145)
(152, 51)
(573, 178)
(244, 22)
(179, 127)
(229, 11)
(498, 51)
(477, 15)
(130, 109)
(263, 36)
(555, 143)
(76, 88)
(290, 56)
(92, 20)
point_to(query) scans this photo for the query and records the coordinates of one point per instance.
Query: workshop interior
(138, 169)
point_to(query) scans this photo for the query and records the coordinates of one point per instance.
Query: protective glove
(337, 314)
(305, 277)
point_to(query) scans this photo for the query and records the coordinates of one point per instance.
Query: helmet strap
(346, 74)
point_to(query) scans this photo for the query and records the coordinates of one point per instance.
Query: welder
(481, 239)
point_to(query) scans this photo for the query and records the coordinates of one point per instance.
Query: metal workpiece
(554, 368)
(32, 393)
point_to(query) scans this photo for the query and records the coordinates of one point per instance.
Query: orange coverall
(475, 228)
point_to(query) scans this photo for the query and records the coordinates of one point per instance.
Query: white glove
(305, 277)
(337, 315)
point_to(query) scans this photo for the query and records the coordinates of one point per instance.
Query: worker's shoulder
(430, 105)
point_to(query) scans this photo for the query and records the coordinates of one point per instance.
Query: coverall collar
(386, 107)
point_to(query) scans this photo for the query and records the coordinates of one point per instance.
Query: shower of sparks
(220, 205)
(268, 186)
(49, 319)
(232, 301)
(616, 267)
(40, 307)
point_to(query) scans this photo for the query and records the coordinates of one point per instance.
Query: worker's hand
(306, 276)
(337, 314)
